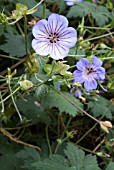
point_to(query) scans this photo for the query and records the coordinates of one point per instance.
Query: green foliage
(30, 4)
(32, 110)
(15, 44)
(7, 155)
(28, 155)
(110, 166)
(61, 5)
(75, 159)
(41, 87)
(20, 11)
(41, 73)
(53, 99)
(41, 91)
(99, 13)
(58, 68)
(100, 107)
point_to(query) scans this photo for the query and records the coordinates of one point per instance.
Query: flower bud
(105, 125)
(26, 85)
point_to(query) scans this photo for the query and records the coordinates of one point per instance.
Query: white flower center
(53, 38)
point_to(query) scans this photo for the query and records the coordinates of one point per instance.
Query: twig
(14, 66)
(75, 105)
(99, 145)
(48, 142)
(5, 133)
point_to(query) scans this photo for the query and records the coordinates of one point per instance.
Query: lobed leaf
(53, 99)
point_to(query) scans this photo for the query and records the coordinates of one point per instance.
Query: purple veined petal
(40, 29)
(58, 52)
(100, 73)
(78, 76)
(97, 62)
(68, 37)
(41, 48)
(54, 34)
(78, 93)
(82, 64)
(79, 0)
(70, 2)
(90, 85)
(56, 23)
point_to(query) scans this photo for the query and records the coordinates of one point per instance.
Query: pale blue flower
(71, 2)
(89, 72)
(53, 37)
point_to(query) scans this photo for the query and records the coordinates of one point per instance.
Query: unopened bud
(105, 125)
(26, 84)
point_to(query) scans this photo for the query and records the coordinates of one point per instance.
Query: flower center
(89, 70)
(53, 38)
(89, 73)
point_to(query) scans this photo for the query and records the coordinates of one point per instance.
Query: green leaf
(32, 110)
(78, 160)
(15, 44)
(41, 91)
(61, 5)
(7, 155)
(28, 155)
(80, 9)
(100, 13)
(75, 160)
(100, 106)
(110, 166)
(41, 75)
(53, 99)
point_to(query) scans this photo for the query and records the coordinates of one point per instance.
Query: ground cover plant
(56, 84)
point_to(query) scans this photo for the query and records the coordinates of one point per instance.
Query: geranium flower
(53, 37)
(77, 92)
(71, 2)
(88, 73)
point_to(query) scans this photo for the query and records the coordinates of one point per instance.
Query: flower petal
(71, 2)
(100, 73)
(68, 37)
(78, 76)
(56, 23)
(90, 85)
(97, 62)
(82, 64)
(58, 52)
(40, 29)
(41, 48)
(77, 93)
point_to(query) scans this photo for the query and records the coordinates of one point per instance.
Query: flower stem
(44, 10)
(75, 104)
(25, 32)
(66, 127)
(13, 99)
(2, 111)
(10, 57)
(98, 28)
(94, 38)
(93, 126)
(10, 136)
(47, 138)
(11, 94)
